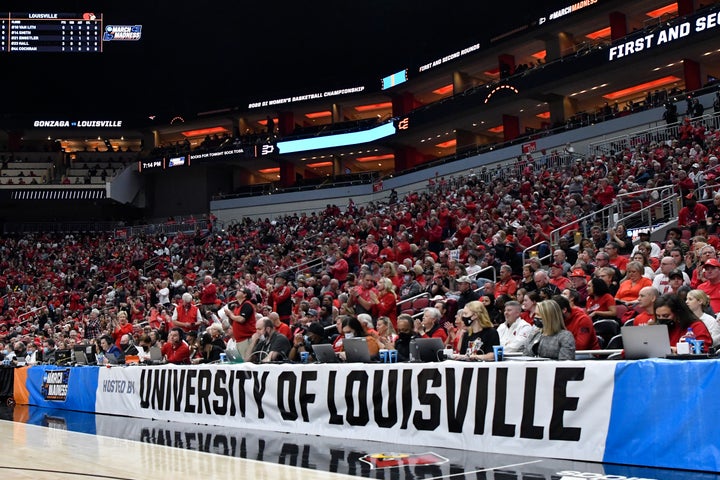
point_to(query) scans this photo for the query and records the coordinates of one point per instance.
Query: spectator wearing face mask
(670, 310)
(352, 328)
(410, 287)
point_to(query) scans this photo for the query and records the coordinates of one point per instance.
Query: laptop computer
(427, 349)
(650, 341)
(232, 354)
(63, 357)
(325, 353)
(112, 359)
(84, 354)
(356, 350)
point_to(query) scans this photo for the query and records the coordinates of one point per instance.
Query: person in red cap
(711, 285)
(579, 280)
(558, 278)
(692, 214)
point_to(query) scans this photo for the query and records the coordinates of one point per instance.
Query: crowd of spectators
(317, 273)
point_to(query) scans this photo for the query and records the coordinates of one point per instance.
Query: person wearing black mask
(478, 339)
(405, 333)
(673, 312)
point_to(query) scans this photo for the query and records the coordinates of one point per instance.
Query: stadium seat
(615, 342)
(419, 303)
(606, 328)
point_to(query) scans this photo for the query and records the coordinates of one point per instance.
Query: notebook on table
(652, 341)
(356, 350)
(325, 353)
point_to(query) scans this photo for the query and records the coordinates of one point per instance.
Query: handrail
(534, 247)
(305, 267)
(419, 295)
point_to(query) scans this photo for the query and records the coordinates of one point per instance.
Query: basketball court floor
(44, 444)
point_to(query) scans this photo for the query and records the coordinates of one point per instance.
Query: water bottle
(690, 338)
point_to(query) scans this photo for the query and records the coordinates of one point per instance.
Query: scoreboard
(51, 32)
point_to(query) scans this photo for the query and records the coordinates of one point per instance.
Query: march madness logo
(390, 460)
(55, 384)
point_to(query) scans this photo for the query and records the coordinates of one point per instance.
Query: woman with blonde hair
(699, 301)
(387, 300)
(479, 337)
(389, 271)
(386, 334)
(553, 340)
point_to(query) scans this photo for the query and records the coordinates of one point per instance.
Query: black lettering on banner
(378, 401)
(259, 386)
(144, 391)
(363, 416)
(428, 376)
(177, 392)
(563, 403)
(499, 427)
(527, 429)
(335, 419)
(457, 409)
(287, 379)
(407, 398)
(190, 391)
(261, 451)
(203, 387)
(305, 397)
(243, 376)
(220, 391)
(481, 400)
(221, 445)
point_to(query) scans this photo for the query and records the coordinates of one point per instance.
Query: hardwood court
(48, 444)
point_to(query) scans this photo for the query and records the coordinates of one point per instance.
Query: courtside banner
(70, 388)
(665, 414)
(550, 409)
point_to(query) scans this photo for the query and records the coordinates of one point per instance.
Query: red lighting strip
(264, 122)
(319, 164)
(448, 144)
(602, 33)
(670, 8)
(641, 87)
(204, 131)
(539, 55)
(543, 115)
(326, 113)
(373, 158)
(373, 106)
(443, 90)
(270, 170)
(498, 129)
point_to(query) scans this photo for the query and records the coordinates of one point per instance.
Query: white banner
(538, 407)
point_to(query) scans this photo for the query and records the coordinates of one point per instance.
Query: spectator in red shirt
(175, 350)
(605, 193)
(208, 294)
(505, 284)
(692, 214)
(579, 324)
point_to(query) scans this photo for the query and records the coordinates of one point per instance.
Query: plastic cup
(384, 356)
(498, 351)
(393, 356)
(304, 357)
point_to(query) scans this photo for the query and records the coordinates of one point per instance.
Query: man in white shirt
(661, 282)
(514, 332)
